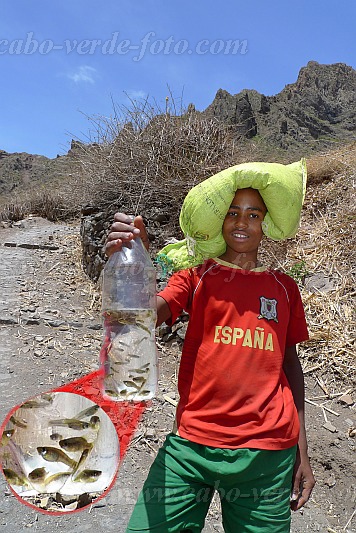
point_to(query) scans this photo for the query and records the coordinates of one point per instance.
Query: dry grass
(324, 251)
(51, 204)
(327, 245)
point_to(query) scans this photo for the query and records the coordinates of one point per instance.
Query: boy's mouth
(240, 236)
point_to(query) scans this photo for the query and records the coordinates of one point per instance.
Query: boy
(240, 418)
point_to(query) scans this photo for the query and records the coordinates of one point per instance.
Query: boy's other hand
(125, 229)
(303, 481)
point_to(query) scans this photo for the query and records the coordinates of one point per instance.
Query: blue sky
(63, 61)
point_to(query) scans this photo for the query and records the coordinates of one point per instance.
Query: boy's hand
(125, 229)
(303, 481)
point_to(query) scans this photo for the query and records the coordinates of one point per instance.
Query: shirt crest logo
(268, 309)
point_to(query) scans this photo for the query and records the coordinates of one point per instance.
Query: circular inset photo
(59, 452)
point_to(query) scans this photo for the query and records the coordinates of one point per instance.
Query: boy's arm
(124, 229)
(163, 311)
(303, 479)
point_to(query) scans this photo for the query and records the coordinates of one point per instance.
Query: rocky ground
(50, 330)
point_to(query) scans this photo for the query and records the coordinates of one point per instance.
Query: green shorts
(254, 488)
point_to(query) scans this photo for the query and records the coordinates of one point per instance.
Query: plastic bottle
(129, 354)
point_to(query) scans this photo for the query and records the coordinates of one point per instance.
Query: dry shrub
(145, 159)
(14, 211)
(52, 205)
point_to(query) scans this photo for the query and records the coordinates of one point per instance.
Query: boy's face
(242, 229)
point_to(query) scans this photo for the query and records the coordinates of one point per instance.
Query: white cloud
(83, 74)
(136, 95)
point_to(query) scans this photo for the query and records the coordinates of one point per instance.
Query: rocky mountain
(315, 111)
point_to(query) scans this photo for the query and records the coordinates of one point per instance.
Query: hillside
(22, 170)
(314, 113)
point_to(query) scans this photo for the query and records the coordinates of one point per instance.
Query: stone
(319, 282)
(181, 333)
(168, 337)
(331, 481)
(8, 320)
(176, 326)
(54, 323)
(150, 433)
(95, 326)
(31, 321)
(346, 399)
(329, 426)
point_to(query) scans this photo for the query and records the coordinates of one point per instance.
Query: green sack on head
(282, 188)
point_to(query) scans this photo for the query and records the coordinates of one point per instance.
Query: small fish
(87, 476)
(71, 423)
(38, 474)
(58, 476)
(110, 392)
(75, 444)
(55, 455)
(133, 356)
(6, 436)
(95, 422)
(87, 412)
(124, 343)
(82, 459)
(47, 397)
(56, 436)
(139, 379)
(15, 479)
(142, 326)
(141, 340)
(33, 404)
(131, 384)
(145, 392)
(17, 422)
(140, 370)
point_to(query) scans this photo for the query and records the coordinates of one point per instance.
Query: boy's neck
(242, 260)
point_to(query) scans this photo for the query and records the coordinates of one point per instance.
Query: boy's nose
(241, 222)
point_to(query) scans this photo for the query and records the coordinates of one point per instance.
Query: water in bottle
(129, 354)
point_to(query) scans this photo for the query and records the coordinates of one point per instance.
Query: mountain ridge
(312, 114)
(318, 109)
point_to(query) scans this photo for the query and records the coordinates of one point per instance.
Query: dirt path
(50, 334)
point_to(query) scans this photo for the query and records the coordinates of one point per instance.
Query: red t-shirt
(233, 391)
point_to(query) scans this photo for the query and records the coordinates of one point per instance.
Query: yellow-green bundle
(282, 188)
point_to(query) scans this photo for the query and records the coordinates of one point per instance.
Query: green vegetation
(298, 272)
